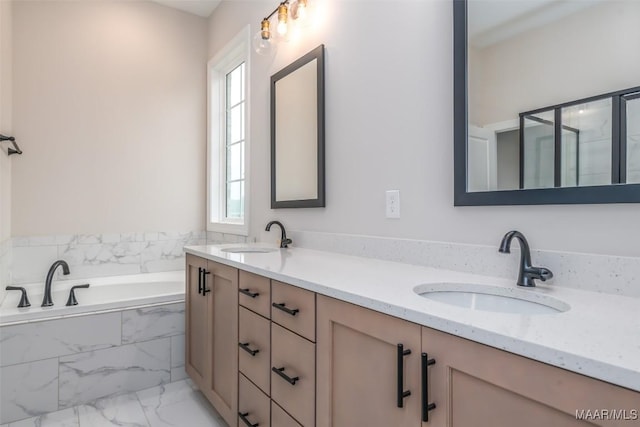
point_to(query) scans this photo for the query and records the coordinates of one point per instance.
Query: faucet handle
(24, 300)
(72, 296)
(285, 242)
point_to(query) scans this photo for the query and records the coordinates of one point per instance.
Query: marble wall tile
(145, 324)
(31, 263)
(88, 376)
(122, 410)
(6, 255)
(43, 340)
(28, 390)
(65, 418)
(104, 259)
(163, 255)
(177, 351)
(178, 374)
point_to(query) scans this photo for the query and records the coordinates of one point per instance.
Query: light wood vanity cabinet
(277, 329)
(251, 348)
(212, 333)
(470, 384)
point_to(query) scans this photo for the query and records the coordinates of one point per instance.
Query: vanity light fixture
(264, 42)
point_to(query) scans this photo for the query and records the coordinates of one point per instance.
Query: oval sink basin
(248, 249)
(492, 298)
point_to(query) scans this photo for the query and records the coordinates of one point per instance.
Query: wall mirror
(297, 133)
(546, 102)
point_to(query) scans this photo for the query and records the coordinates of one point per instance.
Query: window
(228, 180)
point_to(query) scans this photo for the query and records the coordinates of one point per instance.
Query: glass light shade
(262, 46)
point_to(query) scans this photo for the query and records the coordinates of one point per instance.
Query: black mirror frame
(617, 193)
(319, 202)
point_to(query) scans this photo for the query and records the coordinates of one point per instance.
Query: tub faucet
(526, 273)
(47, 301)
(284, 241)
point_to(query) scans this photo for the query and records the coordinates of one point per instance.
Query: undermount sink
(492, 298)
(248, 249)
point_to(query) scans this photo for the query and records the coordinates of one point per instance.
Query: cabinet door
(357, 367)
(222, 288)
(476, 385)
(197, 345)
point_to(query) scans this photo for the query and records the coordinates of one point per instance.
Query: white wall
(109, 108)
(389, 87)
(6, 127)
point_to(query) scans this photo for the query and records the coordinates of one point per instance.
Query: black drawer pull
(248, 293)
(287, 378)
(243, 417)
(401, 393)
(281, 306)
(204, 282)
(245, 347)
(426, 406)
(199, 280)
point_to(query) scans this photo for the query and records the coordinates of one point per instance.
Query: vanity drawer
(254, 292)
(254, 347)
(253, 405)
(293, 377)
(294, 308)
(280, 418)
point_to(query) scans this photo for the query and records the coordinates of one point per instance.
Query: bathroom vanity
(296, 337)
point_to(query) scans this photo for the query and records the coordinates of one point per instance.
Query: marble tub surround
(108, 254)
(5, 266)
(55, 364)
(599, 273)
(599, 336)
(177, 404)
(104, 293)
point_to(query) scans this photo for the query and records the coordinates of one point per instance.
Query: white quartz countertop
(599, 336)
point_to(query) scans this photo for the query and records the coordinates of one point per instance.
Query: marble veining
(123, 410)
(88, 376)
(64, 418)
(42, 340)
(28, 389)
(177, 404)
(144, 324)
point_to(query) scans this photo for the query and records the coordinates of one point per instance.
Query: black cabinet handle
(281, 306)
(243, 417)
(24, 300)
(199, 280)
(401, 393)
(426, 406)
(248, 292)
(204, 282)
(72, 295)
(287, 378)
(245, 347)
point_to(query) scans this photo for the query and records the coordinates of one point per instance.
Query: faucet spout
(284, 241)
(47, 301)
(527, 273)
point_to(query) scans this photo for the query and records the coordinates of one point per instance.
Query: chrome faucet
(284, 241)
(47, 301)
(526, 273)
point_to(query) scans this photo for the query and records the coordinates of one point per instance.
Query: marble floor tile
(123, 410)
(65, 418)
(178, 404)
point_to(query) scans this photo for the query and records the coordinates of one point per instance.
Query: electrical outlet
(393, 203)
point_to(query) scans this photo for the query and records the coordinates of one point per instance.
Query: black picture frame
(319, 202)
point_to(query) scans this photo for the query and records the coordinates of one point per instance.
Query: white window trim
(235, 52)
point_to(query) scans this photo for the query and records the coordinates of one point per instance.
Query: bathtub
(105, 293)
(126, 334)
